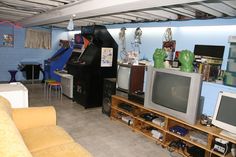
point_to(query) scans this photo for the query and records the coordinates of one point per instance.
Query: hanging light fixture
(70, 26)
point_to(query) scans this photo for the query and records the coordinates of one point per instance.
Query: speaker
(136, 78)
(136, 93)
(109, 89)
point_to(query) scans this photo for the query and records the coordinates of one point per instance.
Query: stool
(45, 88)
(58, 88)
(13, 75)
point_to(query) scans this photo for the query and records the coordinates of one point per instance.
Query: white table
(67, 83)
(16, 93)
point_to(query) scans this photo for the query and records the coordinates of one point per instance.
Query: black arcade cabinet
(90, 68)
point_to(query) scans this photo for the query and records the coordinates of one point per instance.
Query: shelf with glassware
(142, 120)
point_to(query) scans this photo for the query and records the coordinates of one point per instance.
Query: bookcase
(132, 118)
(230, 74)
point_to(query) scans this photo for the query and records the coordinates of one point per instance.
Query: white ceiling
(90, 12)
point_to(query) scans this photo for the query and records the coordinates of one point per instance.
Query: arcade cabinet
(58, 60)
(87, 69)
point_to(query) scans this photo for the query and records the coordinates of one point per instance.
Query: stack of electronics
(176, 144)
(159, 121)
(198, 137)
(208, 60)
(179, 130)
(126, 107)
(137, 96)
(148, 116)
(157, 134)
(222, 146)
(153, 118)
(130, 79)
(192, 151)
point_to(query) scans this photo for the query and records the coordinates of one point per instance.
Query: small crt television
(130, 78)
(123, 77)
(174, 92)
(225, 112)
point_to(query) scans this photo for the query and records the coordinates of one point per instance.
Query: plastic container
(232, 52)
(231, 66)
(230, 79)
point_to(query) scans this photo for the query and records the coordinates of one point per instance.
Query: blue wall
(10, 57)
(186, 34)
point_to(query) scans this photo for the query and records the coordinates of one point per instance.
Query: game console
(156, 134)
(179, 130)
(148, 116)
(198, 137)
(221, 146)
(126, 107)
(159, 121)
(127, 119)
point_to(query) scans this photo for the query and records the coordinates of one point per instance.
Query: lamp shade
(70, 26)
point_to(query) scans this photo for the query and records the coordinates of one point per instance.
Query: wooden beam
(163, 13)
(206, 10)
(93, 8)
(221, 7)
(46, 2)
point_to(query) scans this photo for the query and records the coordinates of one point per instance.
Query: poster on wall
(106, 57)
(8, 40)
(169, 47)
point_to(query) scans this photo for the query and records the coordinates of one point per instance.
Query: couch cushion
(44, 137)
(11, 142)
(5, 105)
(64, 150)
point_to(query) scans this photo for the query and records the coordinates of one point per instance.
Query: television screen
(123, 77)
(174, 92)
(87, 30)
(171, 91)
(216, 51)
(225, 112)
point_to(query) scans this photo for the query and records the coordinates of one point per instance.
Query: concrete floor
(95, 131)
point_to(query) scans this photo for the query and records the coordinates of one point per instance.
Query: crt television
(224, 115)
(123, 77)
(130, 78)
(174, 92)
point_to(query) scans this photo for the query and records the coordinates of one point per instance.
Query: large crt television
(174, 92)
(224, 115)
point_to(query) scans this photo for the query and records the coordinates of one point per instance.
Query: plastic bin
(230, 79)
(231, 66)
(232, 51)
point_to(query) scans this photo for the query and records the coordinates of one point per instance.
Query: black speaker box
(109, 89)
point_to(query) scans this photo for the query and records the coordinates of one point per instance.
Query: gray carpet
(95, 131)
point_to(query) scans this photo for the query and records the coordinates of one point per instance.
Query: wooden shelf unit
(139, 125)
